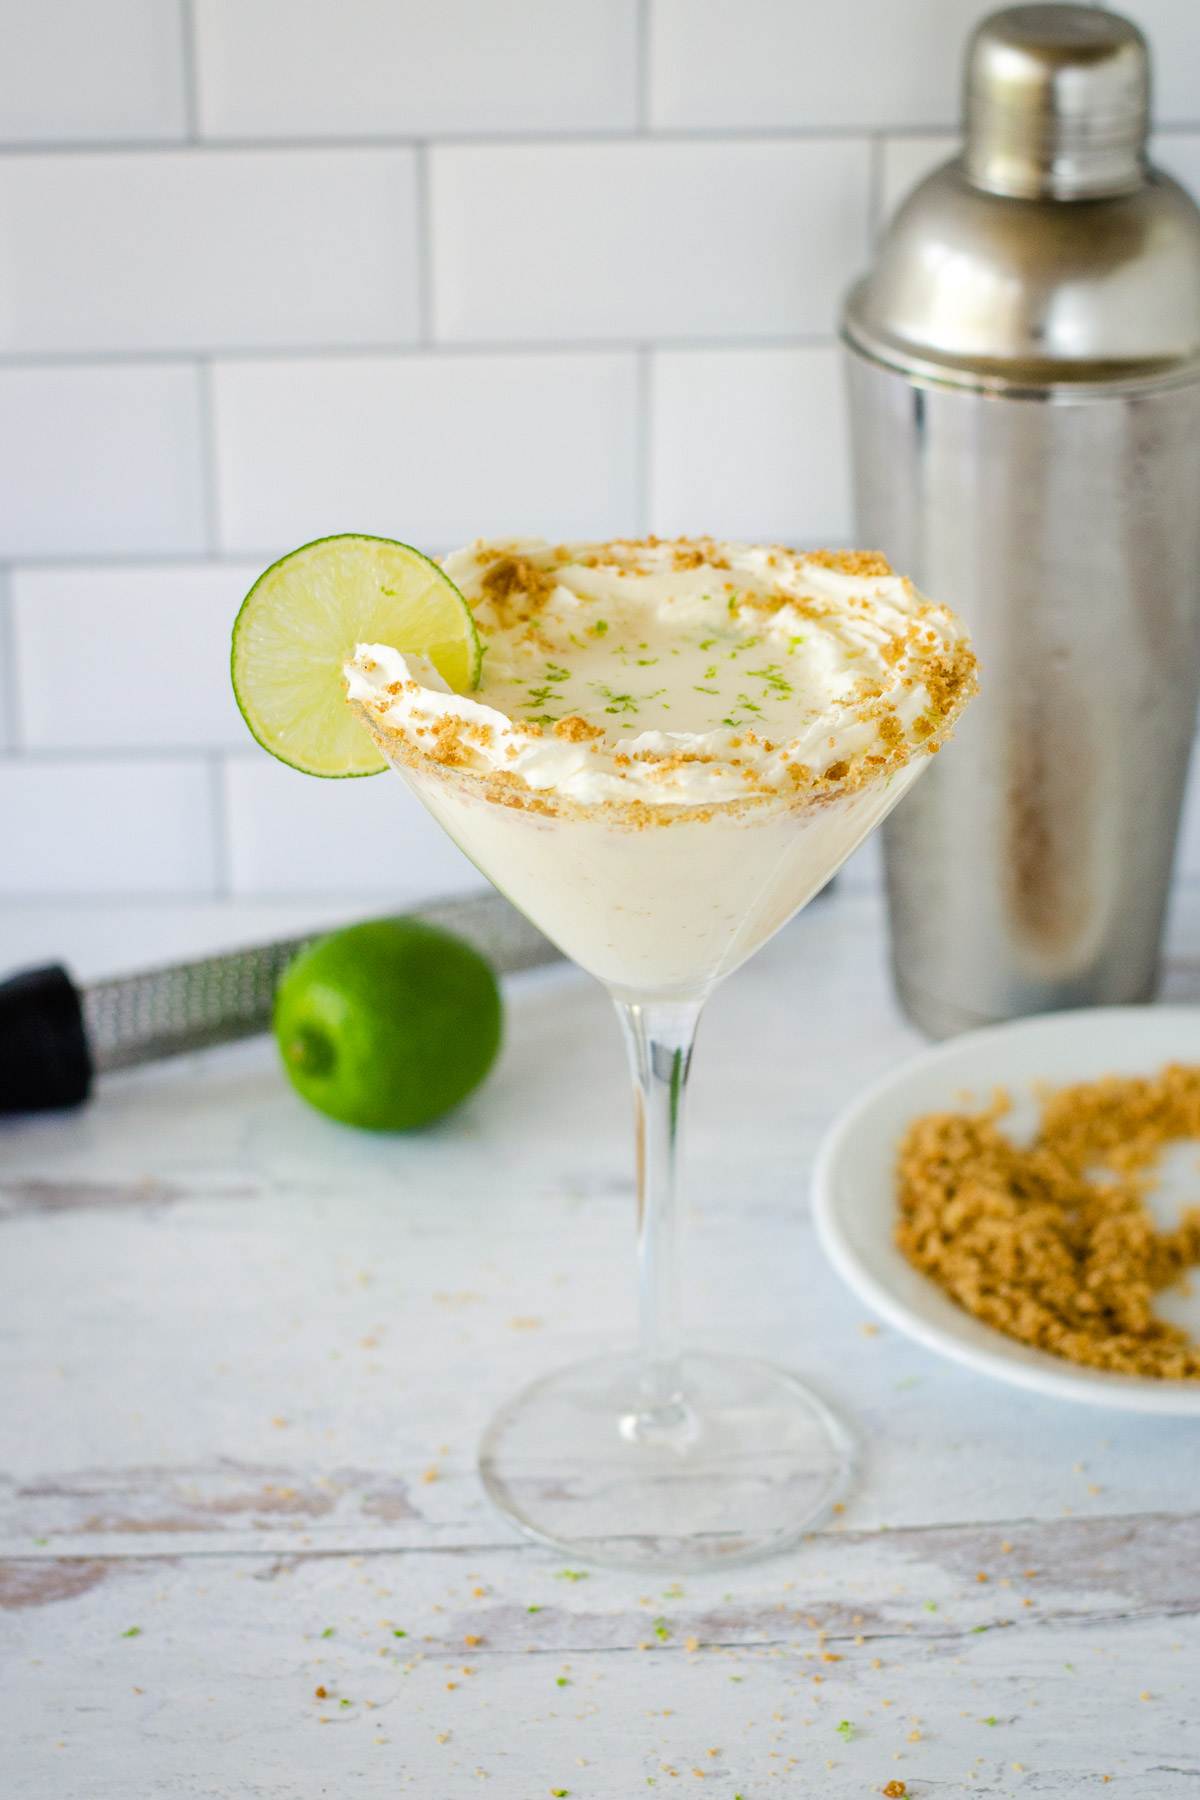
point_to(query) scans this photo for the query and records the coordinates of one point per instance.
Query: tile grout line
(424, 224)
(68, 757)
(219, 810)
(146, 559)
(16, 148)
(875, 190)
(439, 349)
(10, 698)
(206, 412)
(96, 755)
(601, 136)
(642, 71)
(643, 438)
(191, 86)
(380, 902)
(79, 900)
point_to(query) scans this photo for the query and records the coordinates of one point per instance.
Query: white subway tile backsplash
(8, 672)
(98, 459)
(404, 67)
(1178, 152)
(436, 449)
(132, 657)
(77, 70)
(863, 871)
(766, 64)
(750, 444)
(198, 249)
(646, 239)
(267, 271)
(105, 937)
(105, 826)
(908, 160)
(1172, 28)
(289, 834)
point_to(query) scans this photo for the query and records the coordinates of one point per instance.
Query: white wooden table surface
(245, 1357)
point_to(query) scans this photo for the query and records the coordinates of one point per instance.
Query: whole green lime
(388, 1025)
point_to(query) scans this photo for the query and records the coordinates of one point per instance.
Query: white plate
(854, 1192)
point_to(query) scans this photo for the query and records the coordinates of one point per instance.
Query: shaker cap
(1049, 253)
(1056, 103)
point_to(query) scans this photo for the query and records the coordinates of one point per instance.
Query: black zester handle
(44, 1057)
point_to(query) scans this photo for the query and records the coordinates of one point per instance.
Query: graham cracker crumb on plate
(1053, 1243)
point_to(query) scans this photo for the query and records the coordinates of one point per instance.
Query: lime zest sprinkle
(774, 677)
(619, 703)
(845, 1730)
(571, 1575)
(134, 1631)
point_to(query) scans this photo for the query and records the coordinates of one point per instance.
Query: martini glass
(662, 1459)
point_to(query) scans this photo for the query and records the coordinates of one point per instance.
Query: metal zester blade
(136, 1019)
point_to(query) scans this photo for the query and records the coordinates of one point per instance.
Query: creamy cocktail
(658, 751)
(673, 745)
(670, 747)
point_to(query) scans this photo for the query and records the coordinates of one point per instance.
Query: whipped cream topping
(675, 674)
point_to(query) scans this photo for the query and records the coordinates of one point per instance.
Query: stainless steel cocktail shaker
(1024, 370)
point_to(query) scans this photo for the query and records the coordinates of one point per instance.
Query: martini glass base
(751, 1462)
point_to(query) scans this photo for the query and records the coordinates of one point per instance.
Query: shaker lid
(1049, 251)
(1056, 103)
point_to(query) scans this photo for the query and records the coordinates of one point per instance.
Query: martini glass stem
(659, 1036)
